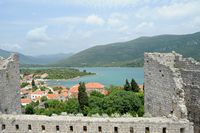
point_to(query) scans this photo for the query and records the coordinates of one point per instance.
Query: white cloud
(144, 26)
(117, 19)
(38, 35)
(179, 9)
(173, 11)
(67, 19)
(10, 46)
(91, 3)
(94, 20)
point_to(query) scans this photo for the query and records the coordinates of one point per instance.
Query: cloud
(38, 35)
(179, 9)
(67, 19)
(117, 19)
(144, 26)
(10, 46)
(90, 3)
(94, 20)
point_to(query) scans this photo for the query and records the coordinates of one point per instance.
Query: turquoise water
(105, 75)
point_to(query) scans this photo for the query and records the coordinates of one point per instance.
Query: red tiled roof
(39, 92)
(26, 100)
(74, 89)
(94, 86)
(65, 94)
(88, 86)
(52, 96)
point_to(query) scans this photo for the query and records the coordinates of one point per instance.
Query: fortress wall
(183, 74)
(64, 124)
(190, 73)
(190, 77)
(159, 85)
(191, 81)
(186, 63)
(9, 86)
(192, 99)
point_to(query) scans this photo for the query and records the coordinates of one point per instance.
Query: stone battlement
(63, 124)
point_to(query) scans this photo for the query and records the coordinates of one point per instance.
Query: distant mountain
(130, 53)
(50, 59)
(39, 60)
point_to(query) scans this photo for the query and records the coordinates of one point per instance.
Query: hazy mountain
(130, 53)
(40, 60)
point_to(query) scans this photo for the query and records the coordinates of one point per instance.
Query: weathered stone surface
(172, 86)
(9, 85)
(92, 125)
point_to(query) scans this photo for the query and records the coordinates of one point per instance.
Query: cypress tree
(33, 83)
(134, 86)
(127, 86)
(82, 96)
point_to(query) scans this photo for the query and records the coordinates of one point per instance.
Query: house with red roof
(36, 95)
(25, 101)
(90, 87)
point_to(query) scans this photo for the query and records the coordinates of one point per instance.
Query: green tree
(134, 86)
(127, 86)
(33, 83)
(122, 102)
(24, 84)
(29, 109)
(43, 99)
(82, 96)
(72, 106)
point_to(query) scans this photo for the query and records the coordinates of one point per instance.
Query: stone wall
(164, 95)
(190, 73)
(69, 124)
(183, 75)
(9, 85)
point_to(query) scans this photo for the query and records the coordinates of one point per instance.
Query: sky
(38, 27)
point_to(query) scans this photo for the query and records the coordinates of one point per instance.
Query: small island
(54, 73)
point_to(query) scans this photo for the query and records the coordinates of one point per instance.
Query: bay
(104, 75)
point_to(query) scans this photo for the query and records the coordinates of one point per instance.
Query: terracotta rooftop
(39, 92)
(52, 96)
(91, 85)
(26, 100)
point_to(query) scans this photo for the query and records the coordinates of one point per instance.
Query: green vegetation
(118, 101)
(131, 53)
(134, 86)
(82, 97)
(131, 87)
(24, 84)
(56, 73)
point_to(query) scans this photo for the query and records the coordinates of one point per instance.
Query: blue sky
(36, 27)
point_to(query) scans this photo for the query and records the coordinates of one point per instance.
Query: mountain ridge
(36, 60)
(130, 53)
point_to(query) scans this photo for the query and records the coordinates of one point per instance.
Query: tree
(127, 86)
(122, 102)
(82, 96)
(43, 99)
(134, 86)
(33, 83)
(29, 109)
(71, 106)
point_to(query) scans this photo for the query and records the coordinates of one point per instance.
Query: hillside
(131, 53)
(39, 60)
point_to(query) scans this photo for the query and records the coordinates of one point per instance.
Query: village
(33, 88)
